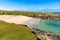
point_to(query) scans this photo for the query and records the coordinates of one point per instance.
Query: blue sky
(31, 5)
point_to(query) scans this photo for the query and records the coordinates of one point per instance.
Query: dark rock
(41, 33)
(33, 32)
(38, 39)
(26, 25)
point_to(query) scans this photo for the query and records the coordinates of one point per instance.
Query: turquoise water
(49, 26)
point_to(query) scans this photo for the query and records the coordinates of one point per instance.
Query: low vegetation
(15, 32)
(41, 15)
(2, 12)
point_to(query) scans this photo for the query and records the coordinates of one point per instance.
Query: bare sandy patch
(17, 19)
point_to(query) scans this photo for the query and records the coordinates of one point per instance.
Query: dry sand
(17, 19)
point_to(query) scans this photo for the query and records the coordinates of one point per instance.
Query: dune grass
(3, 12)
(15, 32)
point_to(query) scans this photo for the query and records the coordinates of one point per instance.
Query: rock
(42, 35)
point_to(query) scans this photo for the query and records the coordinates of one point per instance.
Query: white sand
(17, 19)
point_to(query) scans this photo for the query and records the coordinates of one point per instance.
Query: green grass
(15, 32)
(25, 13)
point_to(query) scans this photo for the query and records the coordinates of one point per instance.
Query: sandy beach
(17, 19)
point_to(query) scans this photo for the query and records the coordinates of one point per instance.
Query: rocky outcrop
(49, 17)
(42, 35)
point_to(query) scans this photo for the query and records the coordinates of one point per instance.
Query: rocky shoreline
(48, 17)
(43, 35)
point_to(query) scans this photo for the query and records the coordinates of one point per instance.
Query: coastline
(45, 35)
(20, 19)
(17, 19)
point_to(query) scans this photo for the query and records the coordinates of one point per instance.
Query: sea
(46, 25)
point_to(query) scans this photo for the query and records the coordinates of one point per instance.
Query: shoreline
(17, 19)
(45, 35)
(20, 19)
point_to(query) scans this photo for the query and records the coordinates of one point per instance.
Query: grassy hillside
(24, 13)
(15, 32)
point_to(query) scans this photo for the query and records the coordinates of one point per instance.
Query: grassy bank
(3, 12)
(15, 32)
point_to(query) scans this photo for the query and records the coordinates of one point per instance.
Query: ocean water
(46, 25)
(49, 26)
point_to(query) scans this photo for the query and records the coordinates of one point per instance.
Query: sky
(31, 5)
